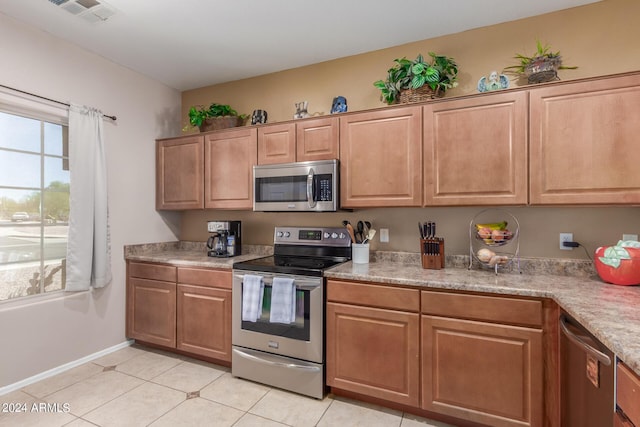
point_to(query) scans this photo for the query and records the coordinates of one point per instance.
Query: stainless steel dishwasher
(587, 377)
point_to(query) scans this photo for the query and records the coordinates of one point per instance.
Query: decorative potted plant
(418, 80)
(216, 116)
(541, 67)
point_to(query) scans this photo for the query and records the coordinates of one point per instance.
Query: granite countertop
(190, 254)
(611, 313)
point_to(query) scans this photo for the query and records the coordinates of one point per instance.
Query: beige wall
(601, 38)
(40, 335)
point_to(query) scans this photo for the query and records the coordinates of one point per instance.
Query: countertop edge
(613, 319)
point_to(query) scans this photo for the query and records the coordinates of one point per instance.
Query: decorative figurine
(495, 82)
(339, 105)
(301, 110)
(258, 117)
(302, 113)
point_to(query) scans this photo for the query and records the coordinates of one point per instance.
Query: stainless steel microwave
(301, 186)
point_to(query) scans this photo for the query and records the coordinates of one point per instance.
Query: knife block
(432, 253)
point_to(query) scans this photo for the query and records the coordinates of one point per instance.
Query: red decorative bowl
(627, 273)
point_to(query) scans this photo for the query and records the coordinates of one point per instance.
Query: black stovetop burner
(303, 251)
(306, 266)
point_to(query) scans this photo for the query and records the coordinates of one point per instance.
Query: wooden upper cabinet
(317, 139)
(230, 157)
(381, 158)
(180, 173)
(585, 144)
(277, 143)
(475, 151)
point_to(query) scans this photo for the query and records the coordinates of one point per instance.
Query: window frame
(19, 104)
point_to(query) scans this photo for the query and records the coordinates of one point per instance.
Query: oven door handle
(278, 364)
(298, 283)
(310, 196)
(597, 354)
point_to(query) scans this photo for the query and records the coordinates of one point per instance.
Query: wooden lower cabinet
(151, 303)
(374, 352)
(204, 321)
(188, 310)
(373, 336)
(627, 397)
(482, 372)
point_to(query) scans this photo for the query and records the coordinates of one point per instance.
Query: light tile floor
(138, 386)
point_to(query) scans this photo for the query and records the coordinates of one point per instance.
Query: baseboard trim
(59, 369)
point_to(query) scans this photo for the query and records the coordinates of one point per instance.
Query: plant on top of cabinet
(214, 117)
(542, 66)
(418, 80)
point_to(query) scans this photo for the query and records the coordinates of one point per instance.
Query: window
(34, 205)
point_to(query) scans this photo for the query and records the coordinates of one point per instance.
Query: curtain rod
(49, 99)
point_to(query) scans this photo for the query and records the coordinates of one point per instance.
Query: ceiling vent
(92, 11)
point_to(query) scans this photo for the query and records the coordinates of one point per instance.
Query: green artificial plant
(440, 74)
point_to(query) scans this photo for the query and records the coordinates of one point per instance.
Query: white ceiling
(188, 44)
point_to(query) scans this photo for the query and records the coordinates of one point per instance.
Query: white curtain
(88, 246)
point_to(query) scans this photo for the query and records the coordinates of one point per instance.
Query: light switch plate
(384, 235)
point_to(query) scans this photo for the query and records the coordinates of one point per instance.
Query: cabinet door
(584, 142)
(475, 151)
(151, 311)
(628, 393)
(373, 352)
(481, 372)
(317, 139)
(204, 321)
(180, 173)
(381, 158)
(277, 144)
(229, 160)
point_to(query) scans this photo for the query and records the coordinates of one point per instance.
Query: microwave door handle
(310, 196)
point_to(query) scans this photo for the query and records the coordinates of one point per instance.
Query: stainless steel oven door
(301, 339)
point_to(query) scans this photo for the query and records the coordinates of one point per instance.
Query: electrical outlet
(630, 237)
(566, 237)
(384, 235)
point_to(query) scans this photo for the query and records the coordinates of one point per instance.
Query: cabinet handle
(279, 364)
(597, 354)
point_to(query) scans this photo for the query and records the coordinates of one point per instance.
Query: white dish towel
(252, 292)
(283, 300)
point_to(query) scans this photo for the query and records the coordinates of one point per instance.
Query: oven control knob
(279, 234)
(342, 235)
(334, 235)
(287, 234)
(326, 235)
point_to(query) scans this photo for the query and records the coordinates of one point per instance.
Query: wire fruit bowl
(496, 237)
(487, 238)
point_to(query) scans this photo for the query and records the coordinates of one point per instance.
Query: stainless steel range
(278, 309)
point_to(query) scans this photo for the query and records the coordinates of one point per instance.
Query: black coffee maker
(225, 240)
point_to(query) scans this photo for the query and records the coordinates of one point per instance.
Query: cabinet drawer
(628, 392)
(205, 277)
(165, 273)
(480, 307)
(373, 295)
